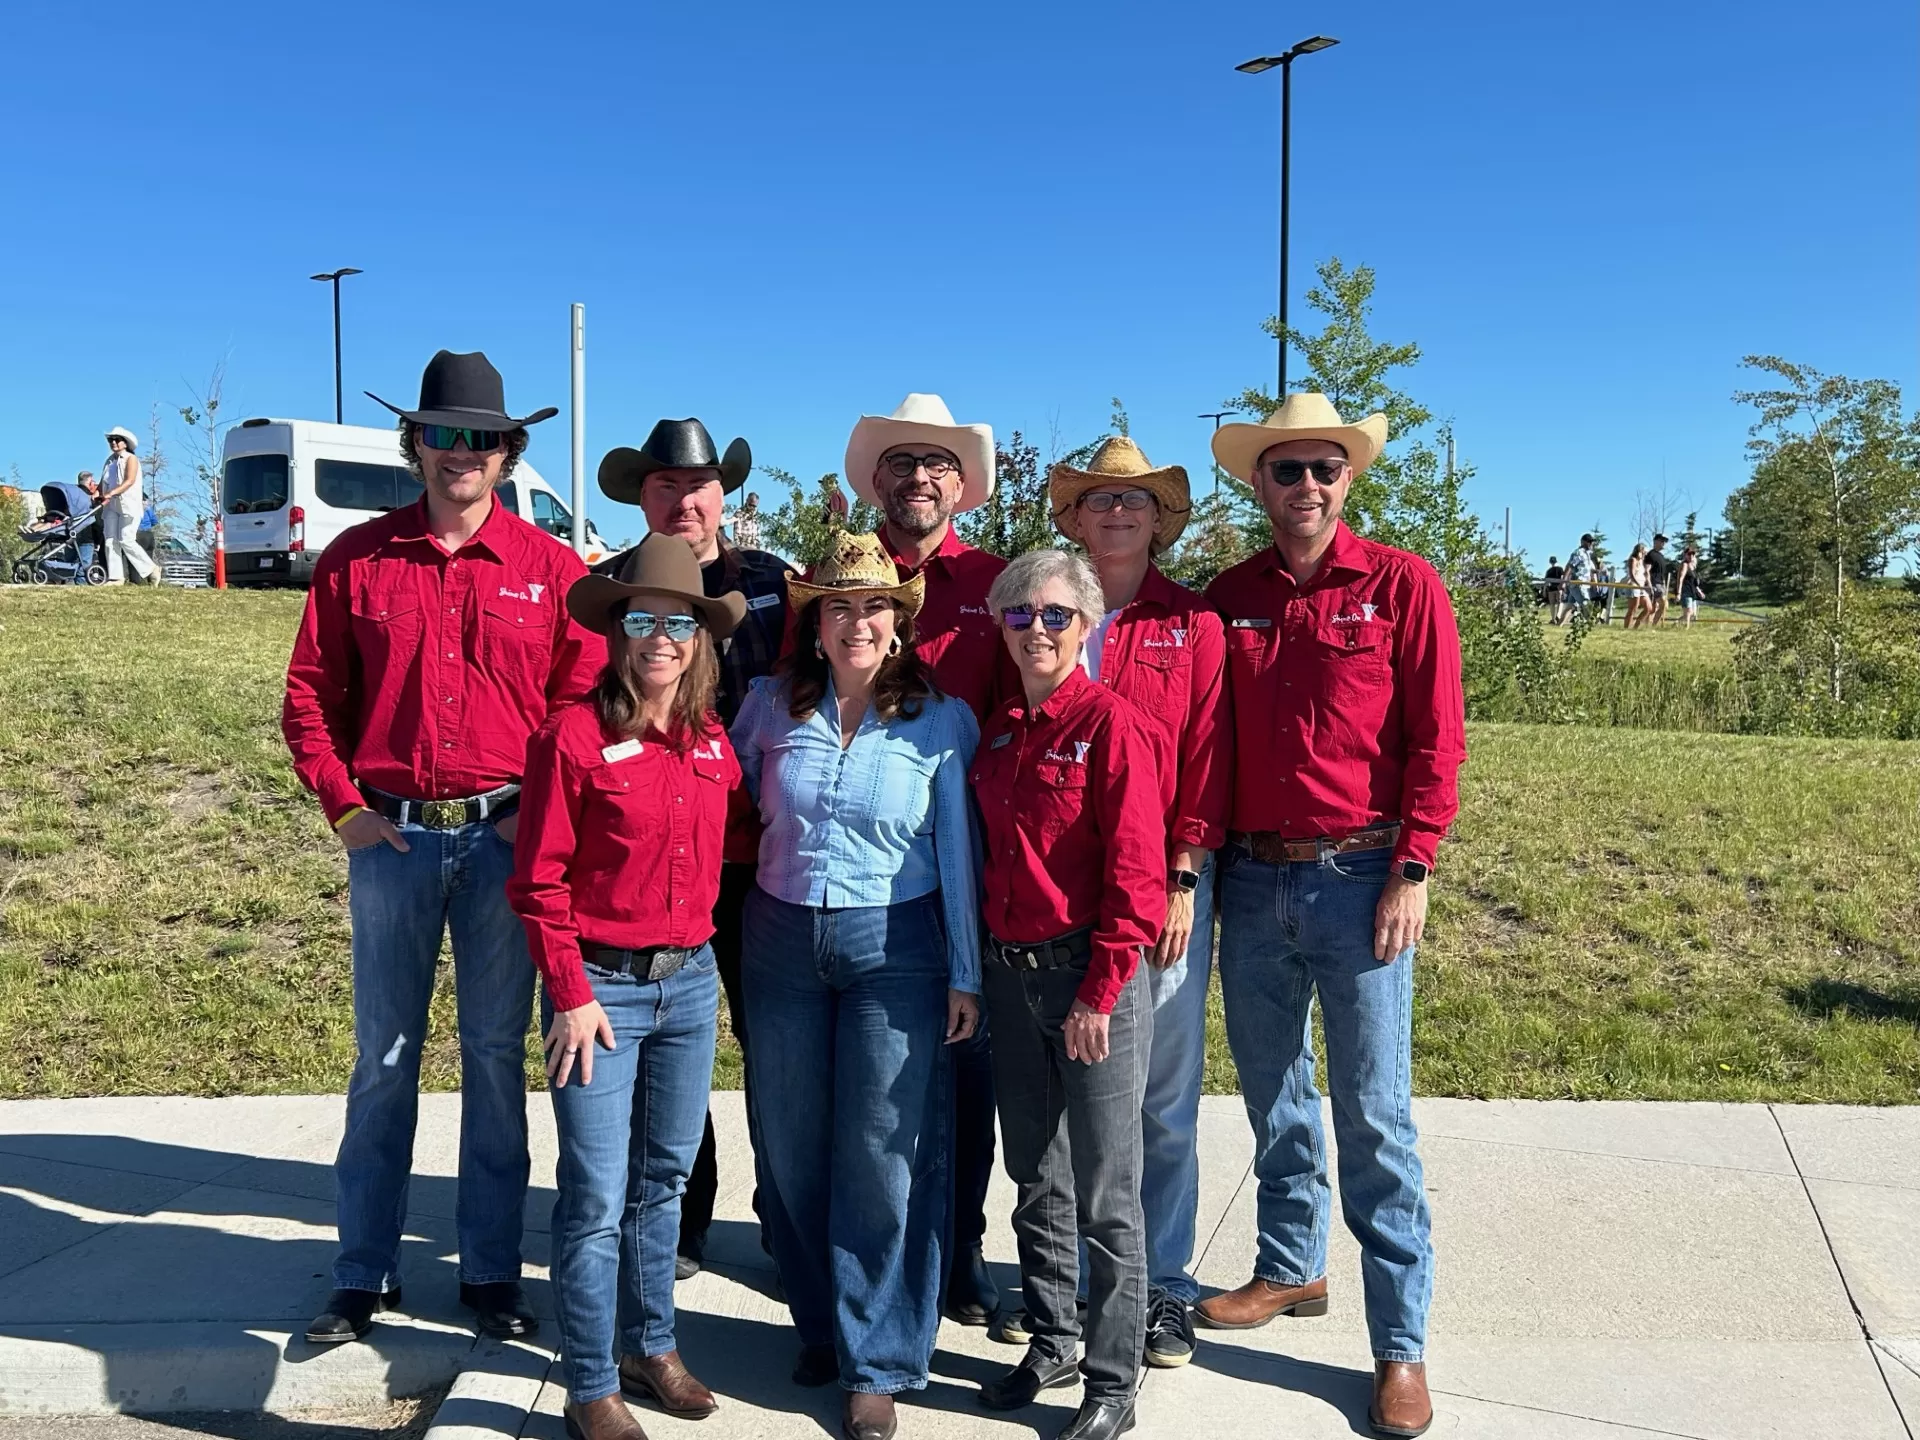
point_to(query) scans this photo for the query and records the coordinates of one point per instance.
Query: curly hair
(409, 449)
(905, 682)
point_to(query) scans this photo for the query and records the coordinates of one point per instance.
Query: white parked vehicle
(289, 487)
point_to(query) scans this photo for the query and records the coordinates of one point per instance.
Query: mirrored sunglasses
(1020, 617)
(441, 437)
(640, 624)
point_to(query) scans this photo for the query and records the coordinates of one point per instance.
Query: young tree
(1017, 516)
(202, 419)
(802, 528)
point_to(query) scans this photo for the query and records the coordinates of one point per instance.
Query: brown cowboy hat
(658, 565)
(858, 565)
(1120, 461)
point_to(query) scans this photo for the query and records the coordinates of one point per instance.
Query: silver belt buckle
(443, 814)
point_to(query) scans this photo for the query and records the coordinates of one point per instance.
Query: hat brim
(470, 419)
(1238, 448)
(874, 435)
(624, 470)
(1065, 486)
(910, 593)
(590, 601)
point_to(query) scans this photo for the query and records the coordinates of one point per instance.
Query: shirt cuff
(1421, 845)
(338, 797)
(567, 985)
(1112, 967)
(1197, 833)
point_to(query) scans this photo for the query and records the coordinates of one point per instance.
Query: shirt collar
(1346, 556)
(411, 524)
(1063, 699)
(950, 546)
(1156, 589)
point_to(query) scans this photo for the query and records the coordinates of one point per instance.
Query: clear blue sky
(781, 216)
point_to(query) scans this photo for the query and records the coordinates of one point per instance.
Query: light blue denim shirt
(886, 819)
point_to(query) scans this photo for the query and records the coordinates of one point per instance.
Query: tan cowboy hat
(922, 420)
(658, 565)
(121, 432)
(1306, 415)
(1119, 459)
(858, 565)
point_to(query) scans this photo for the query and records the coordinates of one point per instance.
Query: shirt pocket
(386, 625)
(1353, 665)
(1058, 798)
(1248, 648)
(517, 642)
(1162, 682)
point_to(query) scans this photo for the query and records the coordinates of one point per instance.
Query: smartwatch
(1412, 871)
(1187, 880)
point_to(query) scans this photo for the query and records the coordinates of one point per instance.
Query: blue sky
(782, 216)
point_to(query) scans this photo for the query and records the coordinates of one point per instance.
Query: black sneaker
(1169, 1331)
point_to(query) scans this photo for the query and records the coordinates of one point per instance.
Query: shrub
(1807, 671)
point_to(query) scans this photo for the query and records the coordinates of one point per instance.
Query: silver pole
(580, 429)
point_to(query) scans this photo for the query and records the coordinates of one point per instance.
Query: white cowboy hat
(1306, 415)
(922, 420)
(121, 431)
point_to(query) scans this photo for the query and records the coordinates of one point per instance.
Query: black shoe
(972, 1297)
(499, 1311)
(818, 1365)
(1023, 1383)
(1100, 1420)
(1169, 1331)
(685, 1267)
(349, 1315)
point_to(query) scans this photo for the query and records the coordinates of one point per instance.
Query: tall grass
(1652, 695)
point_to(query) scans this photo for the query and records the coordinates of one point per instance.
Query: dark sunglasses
(938, 467)
(1055, 617)
(641, 624)
(441, 437)
(1101, 501)
(1292, 472)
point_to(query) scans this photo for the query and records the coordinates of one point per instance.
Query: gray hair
(1029, 574)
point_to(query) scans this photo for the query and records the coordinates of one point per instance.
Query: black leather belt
(443, 814)
(654, 962)
(1073, 951)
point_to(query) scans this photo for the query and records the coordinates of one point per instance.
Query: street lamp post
(1256, 67)
(335, 276)
(1216, 416)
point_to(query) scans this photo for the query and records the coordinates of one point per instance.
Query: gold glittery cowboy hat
(1305, 416)
(1120, 461)
(858, 565)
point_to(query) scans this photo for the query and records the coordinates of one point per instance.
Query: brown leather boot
(1258, 1301)
(668, 1383)
(868, 1417)
(604, 1419)
(1401, 1405)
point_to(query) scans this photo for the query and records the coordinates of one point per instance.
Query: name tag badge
(1253, 622)
(761, 602)
(625, 750)
(1000, 740)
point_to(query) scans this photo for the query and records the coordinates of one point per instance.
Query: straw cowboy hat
(673, 445)
(1305, 416)
(858, 565)
(1119, 460)
(922, 420)
(120, 432)
(658, 565)
(464, 390)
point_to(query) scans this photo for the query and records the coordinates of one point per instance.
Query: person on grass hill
(681, 482)
(1163, 648)
(1639, 598)
(1554, 591)
(1579, 575)
(617, 866)
(1689, 586)
(435, 642)
(120, 493)
(921, 469)
(1344, 671)
(1659, 577)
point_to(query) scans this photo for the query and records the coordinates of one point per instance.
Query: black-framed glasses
(1055, 617)
(1101, 501)
(938, 467)
(480, 442)
(641, 624)
(1292, 472)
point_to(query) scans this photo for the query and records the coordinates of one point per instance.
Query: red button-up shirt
(1166, 652)
(954, 632)
(422, 672)
(1072, 840)
(1347, 706)
(619, 844)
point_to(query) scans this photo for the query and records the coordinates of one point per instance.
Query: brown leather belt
(1270, 847)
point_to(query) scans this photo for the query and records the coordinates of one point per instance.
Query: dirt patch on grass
(199, 797)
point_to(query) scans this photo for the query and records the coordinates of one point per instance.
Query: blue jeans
(848, 1012)
(627, 1144)
(1285, 932)
(400, 906)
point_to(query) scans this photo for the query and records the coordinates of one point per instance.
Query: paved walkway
(1605, 1270)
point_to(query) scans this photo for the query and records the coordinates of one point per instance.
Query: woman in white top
(120, 489)
(1639, 597)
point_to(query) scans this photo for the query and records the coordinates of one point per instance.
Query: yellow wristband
(348, 816)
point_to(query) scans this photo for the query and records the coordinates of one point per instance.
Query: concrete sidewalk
(1605, 1270)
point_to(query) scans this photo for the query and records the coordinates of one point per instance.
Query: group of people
(952, 832)
(1585, 585)
(117, 493)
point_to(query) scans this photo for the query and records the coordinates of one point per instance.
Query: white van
(288, 487)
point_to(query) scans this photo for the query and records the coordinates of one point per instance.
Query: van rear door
(254, 493)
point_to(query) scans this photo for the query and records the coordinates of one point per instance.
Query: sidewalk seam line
(1200, 1260)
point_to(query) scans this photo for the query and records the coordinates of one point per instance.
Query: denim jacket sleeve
(748, 741)
(955, 849)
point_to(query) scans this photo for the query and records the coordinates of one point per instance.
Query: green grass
(1665, 679)
(1623, 913)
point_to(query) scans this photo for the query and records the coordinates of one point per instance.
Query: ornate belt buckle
(443, 814)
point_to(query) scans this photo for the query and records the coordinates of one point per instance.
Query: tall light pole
(1256, 67)
(1216, 416)
(336, 276)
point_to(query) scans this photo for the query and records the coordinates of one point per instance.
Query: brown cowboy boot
(1401, 1405)
(1258, 1301)
(666, 1381)
(604, 1419)
(868, 1417)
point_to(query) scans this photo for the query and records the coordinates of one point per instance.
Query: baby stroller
(66, 540)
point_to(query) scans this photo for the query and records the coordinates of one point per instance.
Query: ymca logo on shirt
(1365, 617)
(1178, 641)
(1079, 756)
(531, 594)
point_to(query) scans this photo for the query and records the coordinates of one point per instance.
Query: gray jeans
(1072, 1135)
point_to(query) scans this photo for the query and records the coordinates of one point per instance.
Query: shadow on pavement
(1349, 1392)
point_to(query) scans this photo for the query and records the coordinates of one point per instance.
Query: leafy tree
(803, 527)
(1018, 516)
(202, 419)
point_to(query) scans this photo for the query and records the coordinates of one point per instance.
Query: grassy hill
(1623, 913)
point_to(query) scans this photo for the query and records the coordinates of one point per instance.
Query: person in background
(89, 543)
(120, 521)
(622, 818)
(921, 469)
(1579, 575)
(433, 645)
(862, 968)
(1344, 670)
(680, 481)
(1639, 599)
(1163, 648)
(1691, 591)
(1554, 591)
(1600, 594)
(1076, 893)
(1659, 578)
(746, 524)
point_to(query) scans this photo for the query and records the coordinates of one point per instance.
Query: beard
(915, 523)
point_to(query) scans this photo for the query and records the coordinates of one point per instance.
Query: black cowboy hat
(464, 390)
(673, 445)
(658, 565)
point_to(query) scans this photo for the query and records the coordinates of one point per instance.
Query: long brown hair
(904, 684)
(616, 695)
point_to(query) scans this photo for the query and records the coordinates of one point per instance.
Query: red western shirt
(1166, 652)
(954, 632)
(619, 844)
(422, 672)
(1347, 706)
(1070, 843)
